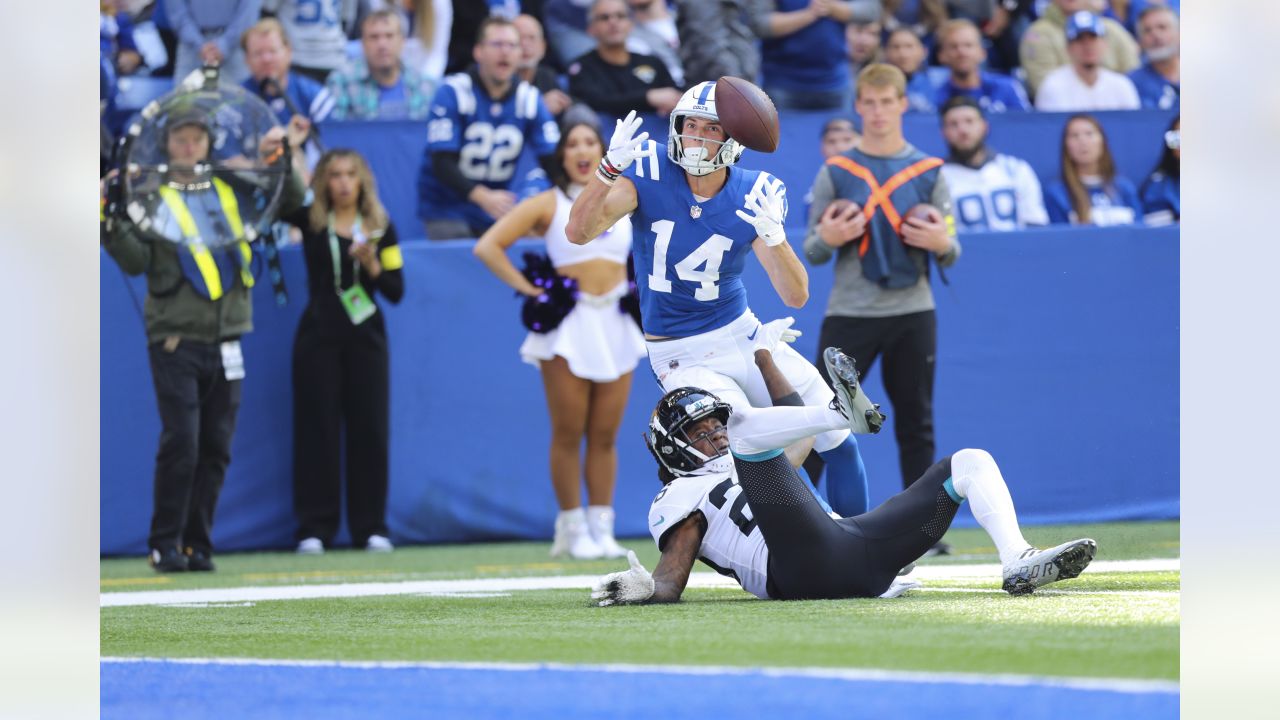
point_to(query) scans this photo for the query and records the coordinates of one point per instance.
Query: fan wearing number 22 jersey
(485, 136)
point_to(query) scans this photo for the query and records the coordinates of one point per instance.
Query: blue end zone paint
(157, 689)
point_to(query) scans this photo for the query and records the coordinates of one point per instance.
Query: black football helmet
(668, 438)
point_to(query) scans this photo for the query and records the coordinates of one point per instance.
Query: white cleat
(1037, 568)
(573, 538)
(311, 546)
(378, 544)
(864, 416)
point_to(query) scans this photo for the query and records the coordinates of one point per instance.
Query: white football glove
(770, 334)
(630, 586)
(768, 211)
(625, 146)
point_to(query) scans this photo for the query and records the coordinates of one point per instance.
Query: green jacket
(173, 307)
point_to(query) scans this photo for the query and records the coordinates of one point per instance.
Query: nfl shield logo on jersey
(695, 212)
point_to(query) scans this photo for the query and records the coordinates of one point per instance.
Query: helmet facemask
(699, 101)
(668, 436)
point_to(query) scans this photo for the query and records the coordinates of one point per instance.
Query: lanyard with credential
(356, 234)
(355, 300)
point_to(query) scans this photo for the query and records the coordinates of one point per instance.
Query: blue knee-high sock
(846, 478)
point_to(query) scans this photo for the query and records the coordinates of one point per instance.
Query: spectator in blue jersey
(1090, 192)
(803, 56)
(115, 38)
(696, 218)
(904, 51)
(268, 53)
(960, 49)
(379, 85)
(881, 304)
(613, 80)
(209, 34)
(1160, 193)
(989, 190)
(479, 124)
(1159, 80)
(317, 32)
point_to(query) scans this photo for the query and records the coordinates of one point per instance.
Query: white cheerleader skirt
(600, 342)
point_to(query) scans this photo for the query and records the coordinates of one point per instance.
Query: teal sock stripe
(759, 457)
(951, 490)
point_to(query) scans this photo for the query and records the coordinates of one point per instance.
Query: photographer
(186, 220)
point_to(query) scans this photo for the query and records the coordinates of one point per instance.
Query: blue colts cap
(1084, 22)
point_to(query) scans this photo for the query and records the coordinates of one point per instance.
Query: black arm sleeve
(391, 282)
(445, 167)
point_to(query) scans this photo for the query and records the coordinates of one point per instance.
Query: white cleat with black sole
(1037, 568)
(864, 416)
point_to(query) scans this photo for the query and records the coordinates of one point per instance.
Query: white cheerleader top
(612, 244)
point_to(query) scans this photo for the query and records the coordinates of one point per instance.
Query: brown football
(923, 211)
(747, 114)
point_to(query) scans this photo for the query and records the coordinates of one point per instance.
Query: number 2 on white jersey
(709, 255)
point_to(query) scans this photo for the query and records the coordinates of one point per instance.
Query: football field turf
(499, 630)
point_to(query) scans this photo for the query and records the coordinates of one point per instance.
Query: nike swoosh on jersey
(661, 519)
(752, 336)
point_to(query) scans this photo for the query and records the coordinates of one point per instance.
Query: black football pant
(907, 344)
(340, 386)
(812, 556)
(198, 408)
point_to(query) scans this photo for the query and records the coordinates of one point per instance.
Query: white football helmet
(699, 101)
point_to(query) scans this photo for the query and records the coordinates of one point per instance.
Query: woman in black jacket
(340, 359)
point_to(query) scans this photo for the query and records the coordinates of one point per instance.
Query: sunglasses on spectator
(1173, 139)
(606, 17)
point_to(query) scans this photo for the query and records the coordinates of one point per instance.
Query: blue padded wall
(1058, 352)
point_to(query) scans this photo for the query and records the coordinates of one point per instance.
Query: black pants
(812, 556)
(908, 344)
(340, 384)
(198, 408)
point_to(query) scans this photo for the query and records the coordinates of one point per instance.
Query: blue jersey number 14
(708, 255)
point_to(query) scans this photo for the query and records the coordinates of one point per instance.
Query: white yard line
(847, 674)
(484, 587)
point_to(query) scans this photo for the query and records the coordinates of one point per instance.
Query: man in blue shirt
(1159, 79)
(803, 51)
(380, 86)
(960, 49)
(696, 217)
(478, 125)
(904, 51)
(268, 54)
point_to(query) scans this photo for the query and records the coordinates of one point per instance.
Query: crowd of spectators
(389, 60)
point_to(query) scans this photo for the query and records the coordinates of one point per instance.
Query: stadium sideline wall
(1058, 352)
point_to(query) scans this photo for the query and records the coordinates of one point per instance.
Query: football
(923, 211)
(747, 114)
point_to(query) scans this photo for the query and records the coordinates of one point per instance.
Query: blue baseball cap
(1084, 22)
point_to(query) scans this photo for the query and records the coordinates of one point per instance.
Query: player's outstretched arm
(765, 209)
(787, 274)
(608, 196)
(636, 586)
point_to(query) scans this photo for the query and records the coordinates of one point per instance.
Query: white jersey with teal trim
(689, 255)
(1003, 194)
(733, 545)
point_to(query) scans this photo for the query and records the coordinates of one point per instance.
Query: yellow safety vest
(199, 251)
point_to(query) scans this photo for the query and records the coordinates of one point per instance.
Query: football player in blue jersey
(695, 218)
(479, 123)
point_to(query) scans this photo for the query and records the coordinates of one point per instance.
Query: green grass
(1100, 625)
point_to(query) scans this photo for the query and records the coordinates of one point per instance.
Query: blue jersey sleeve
(1057, 203)
(444, 128)
(545, 133)
(1013, 96)
(1129, 195)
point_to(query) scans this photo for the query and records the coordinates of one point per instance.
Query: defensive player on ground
(749, 516)
(695, 216)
